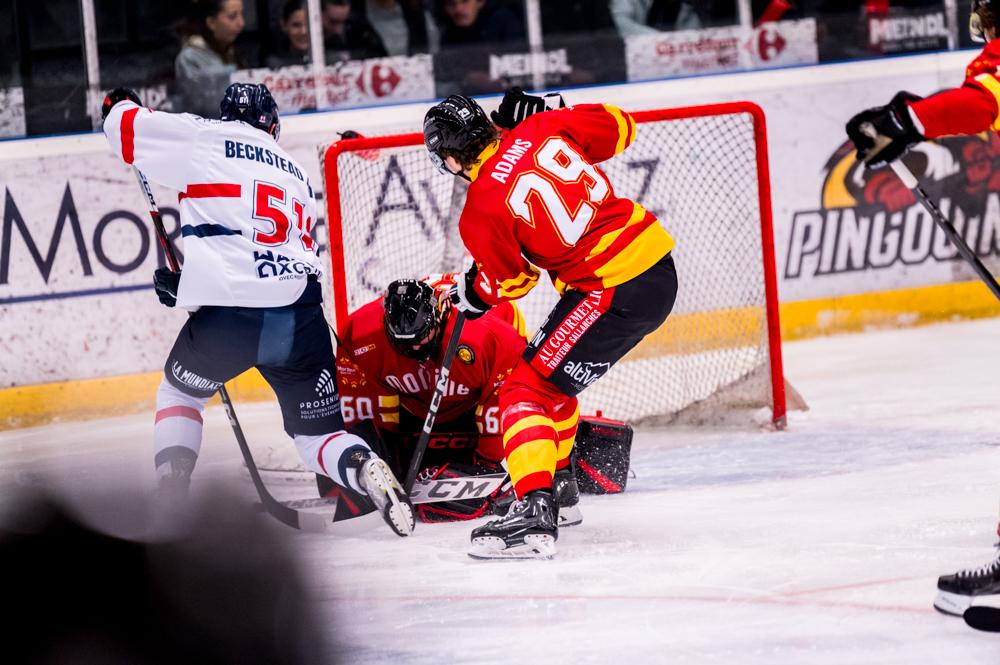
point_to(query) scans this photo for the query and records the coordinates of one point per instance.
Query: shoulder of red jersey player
(485, 336)
(364, 332)
(986, 62)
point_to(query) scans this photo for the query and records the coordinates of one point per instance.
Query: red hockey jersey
(375, 380)
(537, 201)
(970, 109)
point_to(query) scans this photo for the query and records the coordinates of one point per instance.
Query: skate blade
(570, 516)
(397, 513)
(954, 604)
(537, 546)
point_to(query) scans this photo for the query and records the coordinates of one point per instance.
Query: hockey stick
(982, 617)
(910, 181)
(439, 389)
(306, 521)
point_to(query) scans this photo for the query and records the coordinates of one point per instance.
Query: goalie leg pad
(603, 452)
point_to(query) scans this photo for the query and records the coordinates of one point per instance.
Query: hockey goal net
(702, 170)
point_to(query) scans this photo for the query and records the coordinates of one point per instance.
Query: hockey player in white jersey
(250, 278)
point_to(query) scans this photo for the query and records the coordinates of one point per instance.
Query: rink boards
(82, 335)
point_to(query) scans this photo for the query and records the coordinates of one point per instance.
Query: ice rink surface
(818, 545)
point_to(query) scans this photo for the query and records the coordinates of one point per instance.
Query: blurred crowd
(213, 30)
(190, 48)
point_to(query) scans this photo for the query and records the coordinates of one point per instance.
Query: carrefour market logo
(867, 220)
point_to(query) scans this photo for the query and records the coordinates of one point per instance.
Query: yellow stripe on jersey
(649, 247)
(623, 126)
(990, 82)
(525, 423)
(518, 323)
(518, 286)
(390, 417)
(517, 281)
(388, 401)
(569, 420)
(532, 457)
(638, 214)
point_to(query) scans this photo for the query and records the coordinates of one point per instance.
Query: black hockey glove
(165, 282)
(883, 134)
(518, 105)
(464, 296)
(115, 96)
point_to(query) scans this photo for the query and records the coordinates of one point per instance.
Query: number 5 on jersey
(267, 198)
(560, 167)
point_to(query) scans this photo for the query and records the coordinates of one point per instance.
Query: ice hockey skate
(957, 592)
(567, 497)
(381, 486)
(527, 531)
(567, 493)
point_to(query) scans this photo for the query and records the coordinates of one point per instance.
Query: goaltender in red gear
(537, 201)
(387, 363)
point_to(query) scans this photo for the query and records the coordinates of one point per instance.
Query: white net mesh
(698, 175)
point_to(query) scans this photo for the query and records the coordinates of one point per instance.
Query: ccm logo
(451, 442)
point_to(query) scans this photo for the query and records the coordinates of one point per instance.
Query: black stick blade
(982, 617)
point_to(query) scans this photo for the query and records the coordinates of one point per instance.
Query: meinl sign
(563, 62)
(908, 31)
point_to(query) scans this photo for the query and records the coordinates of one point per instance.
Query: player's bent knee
(168, 395)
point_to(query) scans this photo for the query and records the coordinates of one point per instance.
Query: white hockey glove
(464, 297)
(518, 105)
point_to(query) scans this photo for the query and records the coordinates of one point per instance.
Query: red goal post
(703, 170)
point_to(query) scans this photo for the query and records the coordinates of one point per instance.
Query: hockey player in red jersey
(884, 134)
(387, 361)
(908, 119)
(537, 201)
(251, 282)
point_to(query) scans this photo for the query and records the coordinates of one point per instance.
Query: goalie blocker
(602, 453)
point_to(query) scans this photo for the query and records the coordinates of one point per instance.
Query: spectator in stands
(468, 22)
(640, 17)
(294, 46)
(348, 35)
(208, 55)
(403, 25)
(647, 17)
(575, 17)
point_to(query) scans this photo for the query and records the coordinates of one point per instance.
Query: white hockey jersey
(246, 208)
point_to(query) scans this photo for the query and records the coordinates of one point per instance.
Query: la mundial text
(255, 153)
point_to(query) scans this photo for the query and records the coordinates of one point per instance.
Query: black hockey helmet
(253, 104)
(458, 126)
(411, 318)
(982, 18)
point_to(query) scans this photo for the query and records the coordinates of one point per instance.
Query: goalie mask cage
(701, 170)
